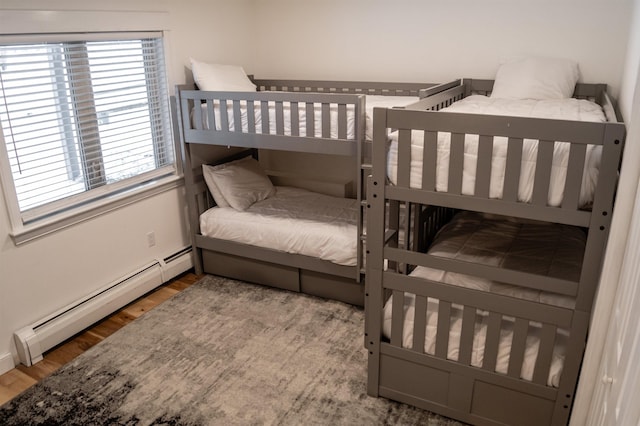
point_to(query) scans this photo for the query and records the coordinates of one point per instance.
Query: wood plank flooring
(21, 378)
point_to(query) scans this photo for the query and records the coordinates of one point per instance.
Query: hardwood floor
(21, 378)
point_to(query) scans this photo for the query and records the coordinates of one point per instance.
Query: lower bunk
(280, 236)
(476, 349)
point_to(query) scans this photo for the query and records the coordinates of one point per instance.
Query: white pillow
(208, 172)
(536, 78)
(221, 78)
(242, 182)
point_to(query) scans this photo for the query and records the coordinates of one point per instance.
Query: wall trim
(65, 21)
(34, 340)
(6, 363)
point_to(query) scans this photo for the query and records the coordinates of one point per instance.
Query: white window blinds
(83, 119)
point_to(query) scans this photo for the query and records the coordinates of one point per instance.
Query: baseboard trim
(6, 363)
(33, 340)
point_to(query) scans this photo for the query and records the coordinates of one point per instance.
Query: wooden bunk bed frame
(455, 388)
(271, 267)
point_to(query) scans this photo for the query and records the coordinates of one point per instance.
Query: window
(83, 120)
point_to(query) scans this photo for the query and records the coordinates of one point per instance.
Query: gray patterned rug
(221, 352)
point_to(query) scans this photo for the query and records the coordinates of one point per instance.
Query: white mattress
(294, 221)
(542, 248)
(372, 101)
(565, 109)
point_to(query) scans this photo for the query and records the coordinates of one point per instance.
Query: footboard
(517, 372)
(418, 133)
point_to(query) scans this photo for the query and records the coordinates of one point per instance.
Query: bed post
(362, 176)
(601, 217)
(375, 255)
(189, 183)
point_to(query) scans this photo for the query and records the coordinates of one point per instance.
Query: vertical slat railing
(279, 105)
(310, 119)
(264, 116)
(342, 121)
(251, 117)
(466, 335)
(575, 170)
(237, 116)
(542, 177)
(211, 116)
(394, 226)
(224, 116)
(417, 235)
(397, 318)
(483, 167)
(518, 345)
(545, 354)
(326, 120)
(420, 324)
(443, 329)
(295, 119)
(429, 160)
(512, 169)
(408, 214)
(456, 163)
(492, 341)
(404, 158)
(197, 118)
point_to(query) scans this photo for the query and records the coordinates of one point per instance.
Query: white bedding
(372, 101)
(565, 109)
(294, 221)
(542, 248)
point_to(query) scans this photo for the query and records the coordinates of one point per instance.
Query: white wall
(430, 41)
(42, 276)
(212, 31)
(631, 66)
(435, 40)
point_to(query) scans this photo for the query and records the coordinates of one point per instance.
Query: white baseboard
(6, 363)
(175, 265)
(33, 340)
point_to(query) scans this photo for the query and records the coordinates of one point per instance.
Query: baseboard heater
(32, 341)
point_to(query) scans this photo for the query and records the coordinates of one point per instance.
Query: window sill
(40, 228)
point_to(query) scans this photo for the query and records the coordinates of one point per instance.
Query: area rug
(221, 352)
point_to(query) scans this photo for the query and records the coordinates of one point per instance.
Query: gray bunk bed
(324, 117)
(481, 352)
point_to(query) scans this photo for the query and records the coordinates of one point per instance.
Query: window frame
(94, 26)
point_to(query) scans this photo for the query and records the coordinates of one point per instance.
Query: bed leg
(373, 375)
(196, 253)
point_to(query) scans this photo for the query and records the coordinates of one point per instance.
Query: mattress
(294, 221)
(564, 109)
(537, 247)
(372, 101)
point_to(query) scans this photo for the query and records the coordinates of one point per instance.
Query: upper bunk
(329, 117)
(464, 149)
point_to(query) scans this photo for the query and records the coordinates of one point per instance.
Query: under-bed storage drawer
(251, 270)
(510, 406)
(332, 287)
(460, 395)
